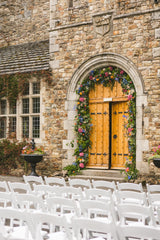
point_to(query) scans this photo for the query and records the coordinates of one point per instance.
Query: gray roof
(24, 58)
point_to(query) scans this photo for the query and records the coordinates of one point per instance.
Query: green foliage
(72, 169)
(106, 76)
(10, 155)
(13, 85)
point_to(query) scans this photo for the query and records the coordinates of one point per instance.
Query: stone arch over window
(82, 71)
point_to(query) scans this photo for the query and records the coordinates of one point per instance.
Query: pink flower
(121, 72)
(80, 130)
(90, 77)
(154, 149)
(106, 74)
(81, 154)
(158, 146)
(110, 68)
(127, 169)
(81, 165)
(81, 99)
(129, 97)
(130, 129)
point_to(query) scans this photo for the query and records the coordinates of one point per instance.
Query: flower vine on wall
(13, 85)
(106, 76)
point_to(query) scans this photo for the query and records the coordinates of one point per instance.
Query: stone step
(107, 175)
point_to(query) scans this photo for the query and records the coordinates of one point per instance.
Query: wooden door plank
(105, 157)
(92, 151)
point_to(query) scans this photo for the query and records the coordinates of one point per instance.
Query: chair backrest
(133, 213)
(12, 222)
(131, 197)
(104, 184)
(83, 228)
(154, 200)
(83, 183)
(4, 186)
(47, 191)
(94, 208)
(130, 187)
(33, 179)
(7, 200)
(55, 181)
(29, 202)
(19, 187)
(98, 194)
(54, 225)
(72, 193)
(138, 232)
(153, 188)
(59, 205)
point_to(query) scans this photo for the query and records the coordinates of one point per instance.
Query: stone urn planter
(33, 159)
(156, 162)
(33, 155)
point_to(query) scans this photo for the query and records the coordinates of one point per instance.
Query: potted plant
(33, 155)
(156, 156)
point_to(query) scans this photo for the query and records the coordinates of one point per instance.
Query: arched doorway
(109, 139)
(81, 72)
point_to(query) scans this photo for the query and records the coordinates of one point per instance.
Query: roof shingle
(24, 58)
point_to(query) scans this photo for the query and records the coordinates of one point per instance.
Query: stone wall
(23, 21)
(130, 29)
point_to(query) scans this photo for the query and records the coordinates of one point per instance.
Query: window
(21, 118)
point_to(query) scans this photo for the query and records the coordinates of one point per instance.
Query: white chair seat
(57, 236)
(20, 233)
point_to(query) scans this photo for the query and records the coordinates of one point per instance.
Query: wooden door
(119, 140)
(108, 136)
(99, 153)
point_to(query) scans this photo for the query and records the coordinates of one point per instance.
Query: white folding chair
(98, 194)
(33, 179)
(131, 197)
(133, 214)
(130, 187)
(55, 181)
(104, 185)
(72, 193)
(153, 188)
(19, 187)
(138, 232)
(154, 200)
(83, 183)
(21, 229)
(158, 214)
(30, 202)
(4, 186)
(63, 206)
(56, 226)
(7, 200)
(103, 211)
(86, 229)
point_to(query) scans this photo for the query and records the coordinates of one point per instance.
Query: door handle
(114, 136)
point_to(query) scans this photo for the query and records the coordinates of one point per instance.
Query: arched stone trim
(82, 71)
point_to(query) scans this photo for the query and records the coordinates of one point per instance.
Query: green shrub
(10, 155)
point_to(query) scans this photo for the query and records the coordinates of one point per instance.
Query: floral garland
(106, 76)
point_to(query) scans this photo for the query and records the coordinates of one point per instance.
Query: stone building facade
(23, 22)
(85, 35)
